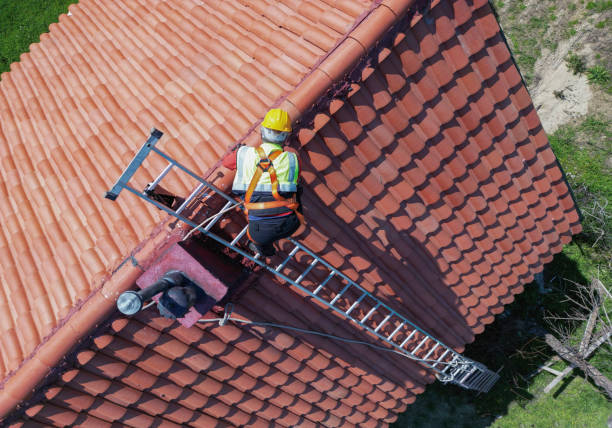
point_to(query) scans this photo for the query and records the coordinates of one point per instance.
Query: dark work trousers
(267, 231)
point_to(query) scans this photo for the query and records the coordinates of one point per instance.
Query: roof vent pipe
(130, 302)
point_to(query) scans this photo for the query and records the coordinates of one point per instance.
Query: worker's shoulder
(291, 150)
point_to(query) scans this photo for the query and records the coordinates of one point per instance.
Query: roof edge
(97, 307)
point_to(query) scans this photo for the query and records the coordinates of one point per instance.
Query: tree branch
(572, 357)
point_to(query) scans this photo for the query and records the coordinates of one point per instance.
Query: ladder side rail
(129, 172)
(194, 175)
(463, 371)
(353, 283)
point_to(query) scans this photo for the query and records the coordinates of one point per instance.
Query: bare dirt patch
(559, 95)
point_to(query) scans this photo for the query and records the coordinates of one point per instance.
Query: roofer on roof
(267, 179)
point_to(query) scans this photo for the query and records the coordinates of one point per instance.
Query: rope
(227, 317)
(220, 213)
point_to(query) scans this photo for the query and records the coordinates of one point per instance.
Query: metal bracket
(113, 193)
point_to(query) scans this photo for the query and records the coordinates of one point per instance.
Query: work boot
(255, 249)
(263, 250)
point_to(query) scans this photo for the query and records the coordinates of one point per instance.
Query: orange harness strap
(265, 165)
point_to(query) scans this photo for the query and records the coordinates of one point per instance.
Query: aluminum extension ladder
(345, 297)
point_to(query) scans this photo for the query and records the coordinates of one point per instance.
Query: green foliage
(498, 4)
(583, 151)
(598, 75)
(580, 405)
(570, 29)
(599, 6)
(22, 22)
(575, 63)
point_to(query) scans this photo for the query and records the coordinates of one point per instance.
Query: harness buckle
(265, 164)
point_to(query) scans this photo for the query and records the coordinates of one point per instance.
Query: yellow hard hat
(278, 120)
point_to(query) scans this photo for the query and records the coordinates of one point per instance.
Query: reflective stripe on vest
(286, 167)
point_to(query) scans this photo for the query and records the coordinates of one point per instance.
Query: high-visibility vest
(285, 165)
(267, 169)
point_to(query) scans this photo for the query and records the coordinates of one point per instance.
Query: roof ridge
(344, 55)
(337, 62)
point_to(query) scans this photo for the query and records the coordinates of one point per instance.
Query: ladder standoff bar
(113, 193)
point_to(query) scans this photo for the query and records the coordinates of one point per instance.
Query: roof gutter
(332, 68)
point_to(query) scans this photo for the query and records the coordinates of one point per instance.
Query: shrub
(598, 74)
(576, 63)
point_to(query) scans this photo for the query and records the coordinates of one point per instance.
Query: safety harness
(265, 165)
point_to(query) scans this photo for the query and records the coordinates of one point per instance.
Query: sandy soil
(559, 95)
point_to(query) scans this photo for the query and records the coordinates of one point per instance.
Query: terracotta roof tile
(433, 159)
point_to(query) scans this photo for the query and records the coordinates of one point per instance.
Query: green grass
(599, 6)
(575, 63)
(570, 29)
(528, 34)
(22, 22)
(599, 75)
(591, 180)
(579, 406)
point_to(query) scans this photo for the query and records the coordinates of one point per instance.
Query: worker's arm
(229, 161)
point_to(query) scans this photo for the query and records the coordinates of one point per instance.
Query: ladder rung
(448, 366)
(320, 287)
(159, 178)
(291, 254)
(239, 236)
(431, 351)
(414, 351)
(369, 314)
(190, 198)
(217, 216)
(308, 269)
(408, 338)
(481, 380)
(335, 299)
(490, 383)
(357, 302)
(396, 330)
(383, 322)
(440, 358)
(467, 374)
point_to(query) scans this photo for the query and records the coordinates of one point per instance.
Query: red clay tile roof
(429, 180)
(74, 110)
